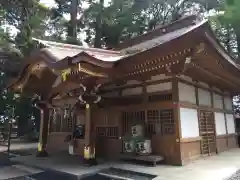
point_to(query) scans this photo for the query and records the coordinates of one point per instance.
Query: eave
(54, 64)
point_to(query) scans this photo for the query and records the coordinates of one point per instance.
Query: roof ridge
(71, 46)
(160, 30)
(191, 19)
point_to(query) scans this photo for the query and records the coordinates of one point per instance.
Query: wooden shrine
(177, 81)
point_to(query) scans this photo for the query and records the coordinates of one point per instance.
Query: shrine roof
(179, 34)
(160, 30)
(166, 37)
(61, 50)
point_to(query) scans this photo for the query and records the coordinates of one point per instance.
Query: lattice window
(132, 118)
(160, 122)
(153, 122)
(112, 132)
(109, 132)
(160, 97)
(167, 121)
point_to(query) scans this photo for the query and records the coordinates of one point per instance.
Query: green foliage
(232, 13)
(28, 19)
(226, 26)
(62, 25)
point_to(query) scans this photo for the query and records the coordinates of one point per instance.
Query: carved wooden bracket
(199, 48)
(179, 69)
(90, 95)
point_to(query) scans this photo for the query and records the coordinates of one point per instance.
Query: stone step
(122, 174)
(27, 169)
(114, 176)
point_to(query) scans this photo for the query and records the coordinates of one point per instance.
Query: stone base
(90, 162)
(42, 153)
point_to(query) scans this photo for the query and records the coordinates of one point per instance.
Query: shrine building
(167, 93)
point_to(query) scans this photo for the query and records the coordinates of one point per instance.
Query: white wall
(230, 124)
(204, 97)
(189, 123)
(217, 101)
(220, 123)
(187, 93)
(159, 87)
(228, 103)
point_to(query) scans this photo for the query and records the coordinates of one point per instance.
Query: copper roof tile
(61, 51)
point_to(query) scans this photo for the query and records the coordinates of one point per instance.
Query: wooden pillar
(89, 143)
(225, 118)
(43, 134)
(175, 98)
(178, 133)
(145, 102)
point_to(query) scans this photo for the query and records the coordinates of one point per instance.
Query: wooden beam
(194, 65)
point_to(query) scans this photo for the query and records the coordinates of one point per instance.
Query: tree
(72, 26)
(28, 18)
(103, 26)
(225, 24)
(125, 19)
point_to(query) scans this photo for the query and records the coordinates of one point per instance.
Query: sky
(51, 3)
(48, 3)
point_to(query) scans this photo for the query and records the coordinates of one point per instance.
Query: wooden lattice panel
(108, 132)
(160, 97)
(207, 132)
(167, 121)
(158, 121)
(70, 123)
(131, 118)
(153, 120)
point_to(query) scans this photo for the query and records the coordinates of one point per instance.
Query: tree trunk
(72, 29)
(98, 27)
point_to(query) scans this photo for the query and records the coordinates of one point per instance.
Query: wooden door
(207, 132)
